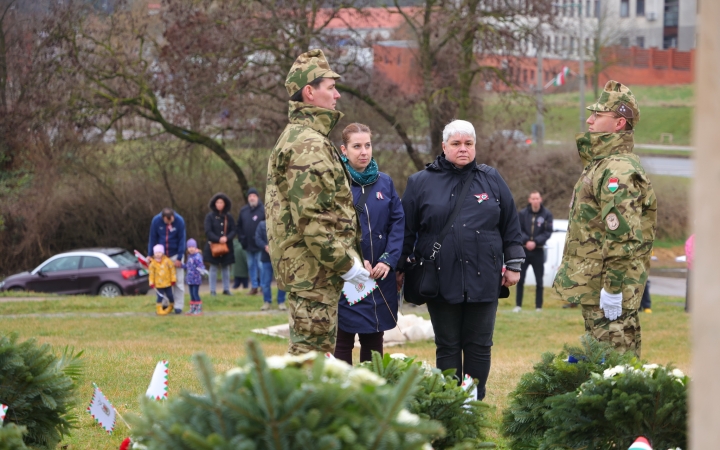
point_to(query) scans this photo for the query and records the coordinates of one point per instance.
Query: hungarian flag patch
(613, 184)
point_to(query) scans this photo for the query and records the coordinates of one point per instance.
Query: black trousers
(646, 302)
(463, 338)
(536, 259)
(368, 343)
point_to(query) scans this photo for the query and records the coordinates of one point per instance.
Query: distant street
(662, 165)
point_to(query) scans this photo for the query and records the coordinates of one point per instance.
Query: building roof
(372, 18)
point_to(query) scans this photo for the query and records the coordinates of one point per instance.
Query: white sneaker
(538, 309)
(517, 309)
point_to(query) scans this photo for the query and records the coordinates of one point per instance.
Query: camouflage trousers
(313, 325)
(623, 333)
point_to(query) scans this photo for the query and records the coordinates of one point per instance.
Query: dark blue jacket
(484, 234)
(247, 223)
(172, 238)
(536, 226)
(261, 240)
(382, 222)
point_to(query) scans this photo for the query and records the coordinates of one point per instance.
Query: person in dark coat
(220, 227)
(536, 227)
(382, 221)
(266, 275)
(484, 236)
(250, 216)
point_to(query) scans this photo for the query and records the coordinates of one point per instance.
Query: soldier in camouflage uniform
(613, 214)
(311, 220)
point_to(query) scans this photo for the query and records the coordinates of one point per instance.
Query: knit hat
(192, 243)
(640, 443)
(252, 190)
(159, 249)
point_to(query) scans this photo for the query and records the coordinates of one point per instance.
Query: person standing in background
(250, 216)
(536, 227)
(168, 230)
(267, 271)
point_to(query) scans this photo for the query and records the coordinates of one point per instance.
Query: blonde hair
(352, 129)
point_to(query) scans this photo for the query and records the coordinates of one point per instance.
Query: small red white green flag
(3, 412)
(102, 410)
(158, 389)
(640, 444)
(613, 184)
(561, 78)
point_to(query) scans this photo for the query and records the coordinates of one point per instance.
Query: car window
(65, 263)
(124, 259)
(91, 262)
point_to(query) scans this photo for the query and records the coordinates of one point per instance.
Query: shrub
(11, 438)
(525, 421)
(438, 398)
(304, 402)
(39, 388)
(611, 410)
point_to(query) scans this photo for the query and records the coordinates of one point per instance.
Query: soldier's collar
(594, 146)
(319, 119)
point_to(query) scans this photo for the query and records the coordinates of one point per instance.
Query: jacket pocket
(488, 260)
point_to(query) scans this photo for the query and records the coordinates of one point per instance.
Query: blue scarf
(368, 176)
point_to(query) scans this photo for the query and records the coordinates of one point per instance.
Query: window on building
(640, 41)
(640, 8)
(572, 45)
(588, 8)
(557, 44)
(548, 45)
(624, 8)
(625, 42)
(564, 44)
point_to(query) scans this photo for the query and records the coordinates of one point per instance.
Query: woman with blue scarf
(383, 222)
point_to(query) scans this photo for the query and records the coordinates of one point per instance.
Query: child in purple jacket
(195, 268)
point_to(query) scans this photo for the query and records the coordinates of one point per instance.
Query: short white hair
(461, 127)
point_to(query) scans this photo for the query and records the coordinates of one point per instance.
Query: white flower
(677, 373)
(407, 418)
(426, 446)
(362, 376)
(398, 356)
(427, 368)
(650, 367)
(276, 362)
(336, 368)
(609, 373)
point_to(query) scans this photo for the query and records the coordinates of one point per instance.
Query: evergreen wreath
(40, 390)
(440, 398)
(288, 402)
(525, 421)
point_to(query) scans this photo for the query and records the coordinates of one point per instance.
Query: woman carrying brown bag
(220, 231)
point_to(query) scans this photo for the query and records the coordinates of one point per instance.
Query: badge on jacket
(255, 218)
(613, 184)
(379, 196)
(482, 197)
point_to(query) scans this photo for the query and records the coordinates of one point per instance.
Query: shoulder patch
(613, 184)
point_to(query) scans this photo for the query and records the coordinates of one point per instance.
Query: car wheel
(109, 290)
(16, 289)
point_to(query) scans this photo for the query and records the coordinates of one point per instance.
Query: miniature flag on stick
(559, 79)
(158, 388)
(466, 384)
(102, 411)
(3, 412)
(141, 259)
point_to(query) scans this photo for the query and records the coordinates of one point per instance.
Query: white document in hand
(356, 292)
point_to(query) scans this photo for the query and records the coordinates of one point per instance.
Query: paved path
(674, 287)
(662, 165)
(682, 148)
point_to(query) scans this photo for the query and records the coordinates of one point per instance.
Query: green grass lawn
(123, 340)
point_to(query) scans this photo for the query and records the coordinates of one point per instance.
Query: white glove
(357, 273)
(611, 304)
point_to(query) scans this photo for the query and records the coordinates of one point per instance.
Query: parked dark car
(109, 272)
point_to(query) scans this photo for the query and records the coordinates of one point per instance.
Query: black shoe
(226, 293)
(570, 305)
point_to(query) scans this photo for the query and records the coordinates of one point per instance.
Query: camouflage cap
(308, 67)
(619, 99)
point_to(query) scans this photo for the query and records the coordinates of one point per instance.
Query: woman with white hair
(466, 244)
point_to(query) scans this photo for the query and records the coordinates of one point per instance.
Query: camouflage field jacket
(311, 219)
(613, 214)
